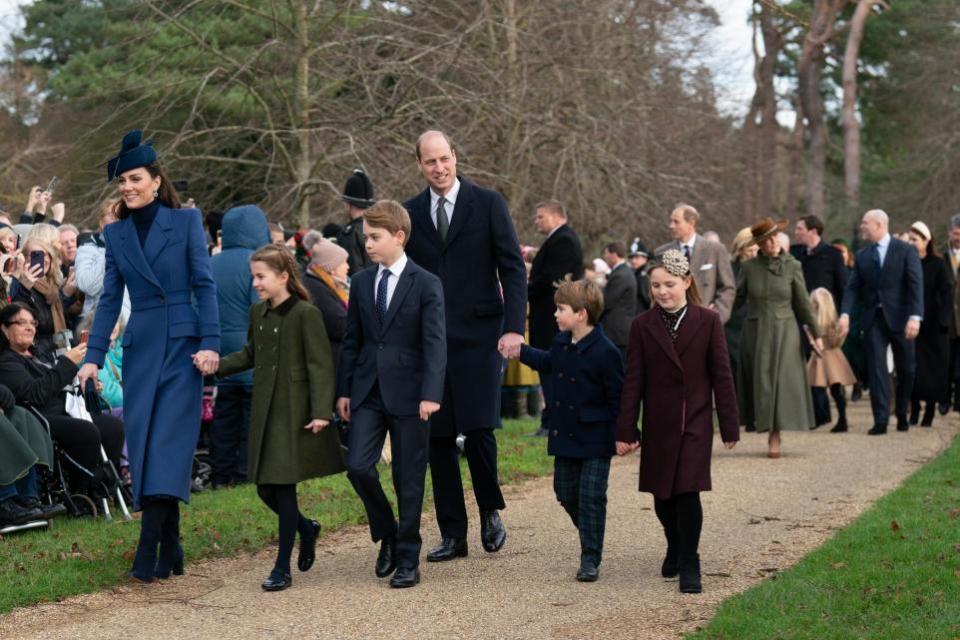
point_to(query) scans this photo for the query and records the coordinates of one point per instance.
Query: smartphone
(52, 185)
(84, 336)
(36, 259)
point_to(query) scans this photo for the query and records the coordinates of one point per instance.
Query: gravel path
(762, 517)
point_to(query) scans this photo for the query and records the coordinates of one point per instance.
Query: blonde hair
(46, 233)
(740, 242)
(53, 276)
(693, 294)
(279, 260)
(825, 308)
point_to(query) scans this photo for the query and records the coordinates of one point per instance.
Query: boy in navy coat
(586, 373)
(390, 377)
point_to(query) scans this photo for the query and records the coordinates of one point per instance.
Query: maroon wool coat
(677, 386)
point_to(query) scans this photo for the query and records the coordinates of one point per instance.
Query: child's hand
(316, 425)
(343, 409)
(623, 448)
(427, 409)
(729, 445)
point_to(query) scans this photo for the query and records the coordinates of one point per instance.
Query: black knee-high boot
(667, 514)
(151, 528)
(689, 525)
(170, 558)
(928, 413)
(840, 400)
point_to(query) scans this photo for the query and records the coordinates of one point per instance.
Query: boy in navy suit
(390, 377)
(585, 370)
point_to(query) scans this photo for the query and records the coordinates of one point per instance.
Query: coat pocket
(298, 374)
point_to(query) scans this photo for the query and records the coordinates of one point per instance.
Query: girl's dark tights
(282, 500)
(682, 519)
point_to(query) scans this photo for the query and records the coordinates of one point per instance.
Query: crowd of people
(421, 323)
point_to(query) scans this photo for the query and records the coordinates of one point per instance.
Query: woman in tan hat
(774, 393)
(933, 342)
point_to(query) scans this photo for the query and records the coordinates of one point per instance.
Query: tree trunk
(302, 105)
(808, 87)
(851, 125)
(763, 114)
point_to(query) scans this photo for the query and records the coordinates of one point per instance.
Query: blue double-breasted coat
(173, 315)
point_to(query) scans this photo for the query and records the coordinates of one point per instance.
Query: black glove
(7, 399)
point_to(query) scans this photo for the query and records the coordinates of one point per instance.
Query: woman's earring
(156, 194)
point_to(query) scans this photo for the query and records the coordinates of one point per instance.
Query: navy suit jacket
(407, 356)
(479, 258)
(897, 289)
(587, 378)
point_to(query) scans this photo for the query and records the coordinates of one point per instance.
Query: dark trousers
(480, 448)
(25, 486)
(581, 488)
(877, 338)
(228, 434)
(81, 440)
(954, 394)
(681, 517)
(409, 443)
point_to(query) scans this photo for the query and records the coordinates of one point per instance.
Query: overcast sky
(732, 61)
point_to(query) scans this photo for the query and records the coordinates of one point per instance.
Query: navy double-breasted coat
(173, 315)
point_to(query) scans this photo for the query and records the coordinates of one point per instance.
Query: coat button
(571, 435)
(573, 379)
(276, 329)
(571, 409)
(560, 375)
(555, 432)
(558, 403)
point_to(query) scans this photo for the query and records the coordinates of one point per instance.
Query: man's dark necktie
(443, 221)
(875, 253)
(382, 295)
(686, 251)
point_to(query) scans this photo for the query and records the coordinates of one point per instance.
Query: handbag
(75, 404)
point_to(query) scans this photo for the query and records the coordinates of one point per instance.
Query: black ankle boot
(671, 563)
(151, 529)
(690, 574)
(170, 558)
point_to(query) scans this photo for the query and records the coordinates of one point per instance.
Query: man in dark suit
(357, 196)
(560, 255)
(619, 296)
(951, 255)
(390, 379)
(822, 267)
(887, 282)
(463, 233)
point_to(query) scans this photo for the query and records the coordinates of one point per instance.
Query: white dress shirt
(396, 269)
(451, 199)
(693, 240)
(882, 245)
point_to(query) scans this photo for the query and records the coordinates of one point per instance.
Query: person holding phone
(40, 285)
(159, 252)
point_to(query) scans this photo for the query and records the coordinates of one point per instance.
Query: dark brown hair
(812, 223)
(165, 194)
(279, 260)
(389, 215)
(554, 206)
(618, 248)
(693, 294)
(581, 294)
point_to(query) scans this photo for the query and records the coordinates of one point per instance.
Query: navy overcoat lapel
(158, 236)
(130, 246)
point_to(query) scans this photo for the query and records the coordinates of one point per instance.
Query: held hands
(623, 448)
(509, 345)
(427, 409)
(729, 445)
(343, 409)
(316, 425)
(913, 328)
(206, 361)
(843, 325)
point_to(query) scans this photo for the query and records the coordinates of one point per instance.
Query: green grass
(893, 573)
(81, 556)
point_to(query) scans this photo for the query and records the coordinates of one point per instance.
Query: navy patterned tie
(382, 295)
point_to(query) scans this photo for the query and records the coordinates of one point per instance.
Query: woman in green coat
(290, 434)
(774, 394)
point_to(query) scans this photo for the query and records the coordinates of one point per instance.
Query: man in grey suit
(619, 296)
(709, 261)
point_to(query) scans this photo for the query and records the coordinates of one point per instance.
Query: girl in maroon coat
(677, 368)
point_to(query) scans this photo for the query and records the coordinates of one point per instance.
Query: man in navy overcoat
(463, 233)
(887, 282)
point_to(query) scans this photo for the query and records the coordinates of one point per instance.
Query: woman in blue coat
(159, 252)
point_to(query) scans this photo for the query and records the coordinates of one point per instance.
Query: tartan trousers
(581, 488)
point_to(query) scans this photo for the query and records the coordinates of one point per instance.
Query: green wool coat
(773, 391)
(289, 352)
(24, 442)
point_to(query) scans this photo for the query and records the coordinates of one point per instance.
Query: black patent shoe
(492, 533)
(405, 577)
(671, 564)
(278, 581)
(589, 572)
(386, 559)
(448, 549)
(690, 574)
(308, 547)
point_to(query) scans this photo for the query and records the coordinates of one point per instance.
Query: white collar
(690, 244)
(884, 241)
(396, 268)
(450, 197)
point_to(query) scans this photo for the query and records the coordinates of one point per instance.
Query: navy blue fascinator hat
(132, 154)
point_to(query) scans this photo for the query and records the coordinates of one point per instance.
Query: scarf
(332, 284)
(673, 319)
(51, 293)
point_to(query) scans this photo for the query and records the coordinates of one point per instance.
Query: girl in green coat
(290, 438)
(774, 393)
